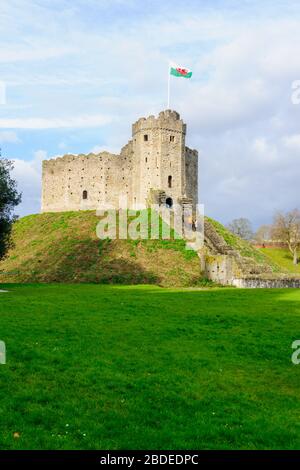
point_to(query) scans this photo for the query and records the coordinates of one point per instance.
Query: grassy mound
(64, 247)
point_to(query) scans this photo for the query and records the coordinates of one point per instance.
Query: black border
(92, 458)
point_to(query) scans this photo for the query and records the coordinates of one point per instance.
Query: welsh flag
(180, 71)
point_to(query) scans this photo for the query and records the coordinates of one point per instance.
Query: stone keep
(154, 167)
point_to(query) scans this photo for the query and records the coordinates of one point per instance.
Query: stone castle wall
(155, 159)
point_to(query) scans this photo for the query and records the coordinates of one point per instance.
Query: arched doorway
(169, 202)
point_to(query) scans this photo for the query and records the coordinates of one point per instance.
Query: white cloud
(292, 141)
(2, 93)
(11, 54)
(28, 176)
(260, 145)
(265, 150)
(54, 123)
(9, 136)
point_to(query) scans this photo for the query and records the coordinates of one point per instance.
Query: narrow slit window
(146, 137)
(170, 181)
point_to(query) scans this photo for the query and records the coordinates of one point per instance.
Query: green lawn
(102, 367)
(283, 258)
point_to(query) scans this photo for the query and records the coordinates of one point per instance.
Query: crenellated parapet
(191, 153)
(154, 161)
(166, 120)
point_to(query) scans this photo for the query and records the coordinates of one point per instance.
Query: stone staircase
(225, 265)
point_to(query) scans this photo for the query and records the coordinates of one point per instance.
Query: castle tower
(159, 149)
(155, 162)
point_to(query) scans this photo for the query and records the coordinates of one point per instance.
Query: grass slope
(63, 247)
(283, 258)
(112, 367)
(243, 247)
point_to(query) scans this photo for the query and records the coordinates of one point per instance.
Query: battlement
(167, 120)
(155, 159)
(191, 152)
(70, 158)
(169, 114)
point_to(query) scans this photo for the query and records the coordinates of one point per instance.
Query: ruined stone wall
(155, 159)
(258, 283)
(225, 265)
(220, 269)
(104, 177)
(223, 269)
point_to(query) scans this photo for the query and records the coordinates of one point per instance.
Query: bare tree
(242, 228)
(286, 228)
(263, 234)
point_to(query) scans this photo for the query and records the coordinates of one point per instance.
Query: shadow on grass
(86, 261)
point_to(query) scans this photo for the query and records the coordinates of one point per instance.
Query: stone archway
(169, 202)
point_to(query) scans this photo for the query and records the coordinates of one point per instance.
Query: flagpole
(169, 76)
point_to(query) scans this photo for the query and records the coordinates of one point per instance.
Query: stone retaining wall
(267, 283)
(224, 269)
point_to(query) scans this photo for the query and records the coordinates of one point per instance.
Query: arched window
(170, 181)
(169, 202)
(84, 194)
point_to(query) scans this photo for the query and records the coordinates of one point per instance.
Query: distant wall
(270, 244)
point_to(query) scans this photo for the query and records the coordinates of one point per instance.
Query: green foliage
(9, 198)
(107, 367)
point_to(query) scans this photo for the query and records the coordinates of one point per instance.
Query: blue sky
(78, 73)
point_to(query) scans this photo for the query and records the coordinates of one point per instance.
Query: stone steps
(226, 265)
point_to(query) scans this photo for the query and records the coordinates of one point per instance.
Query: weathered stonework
(261, 283)
(224, 265)
(154, 162)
